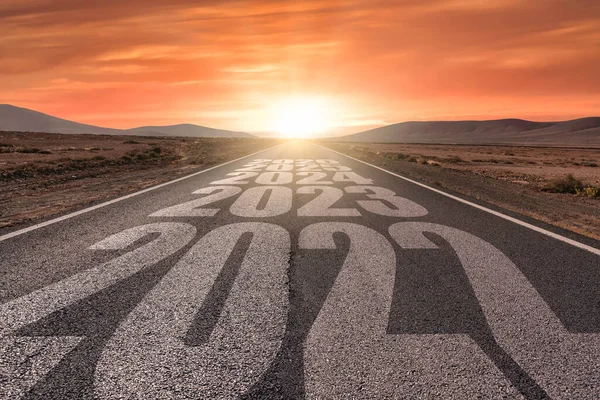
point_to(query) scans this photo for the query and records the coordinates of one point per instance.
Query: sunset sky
(231, 64)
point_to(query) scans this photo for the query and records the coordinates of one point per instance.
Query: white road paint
(320, 206)
(191, 208)
(146, 358)
(309, 168)
(404, 207)
(48, 351)
(280, 167)
(348, 353)
(252, 168)
(279, 202)
(275, 178)
(525, 326)
(351, 177)
(107, 203)
(340, 168)
(328, 161)
(303, 161)
(260, 160)
(482, 208)
(313, 178)
(239, 178)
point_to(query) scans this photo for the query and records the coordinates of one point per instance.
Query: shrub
(567, 184)
(28, 150)
(44, 152)
(454, 160)
(589, 164)
(589, 191)
(131, 142)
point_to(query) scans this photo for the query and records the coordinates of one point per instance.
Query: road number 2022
(147, 355)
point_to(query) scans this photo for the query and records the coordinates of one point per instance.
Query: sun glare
(301, 117)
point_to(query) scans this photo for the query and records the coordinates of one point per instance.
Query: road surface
(297, 272)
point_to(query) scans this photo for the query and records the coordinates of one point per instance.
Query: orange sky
(124, 63)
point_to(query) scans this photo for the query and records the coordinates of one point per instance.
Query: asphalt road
(297, 272)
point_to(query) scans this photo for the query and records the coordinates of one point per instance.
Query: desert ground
(527, 180)
(45, 174)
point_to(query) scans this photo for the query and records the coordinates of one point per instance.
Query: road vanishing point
(298, 272)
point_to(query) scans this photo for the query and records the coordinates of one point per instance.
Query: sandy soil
(44, 175)
(507, 176)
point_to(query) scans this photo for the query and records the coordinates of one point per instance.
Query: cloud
(399, 59)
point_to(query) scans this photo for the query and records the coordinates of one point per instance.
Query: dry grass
(560, 186)
(44, 174)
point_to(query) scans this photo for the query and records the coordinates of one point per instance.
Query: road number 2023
(380, 201)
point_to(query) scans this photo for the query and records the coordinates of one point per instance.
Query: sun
(301, 117)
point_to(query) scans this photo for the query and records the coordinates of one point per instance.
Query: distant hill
(187, 130)
(17, 119)
(578, 132)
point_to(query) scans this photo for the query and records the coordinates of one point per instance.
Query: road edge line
(517, 221)
(118, 199)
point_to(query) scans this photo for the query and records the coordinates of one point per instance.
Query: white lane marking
(147, 358)
(482, 208)
(113, 201)
(520, 319)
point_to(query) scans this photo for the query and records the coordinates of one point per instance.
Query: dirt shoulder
(510, 177)
(44, 175)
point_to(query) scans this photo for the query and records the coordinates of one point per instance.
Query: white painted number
(279, 202)
(238, 180)
(191, 208)
(15, 362)
(314, 178)
(403, 207)
(147, 357)
(320, 206)
(275, 178)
